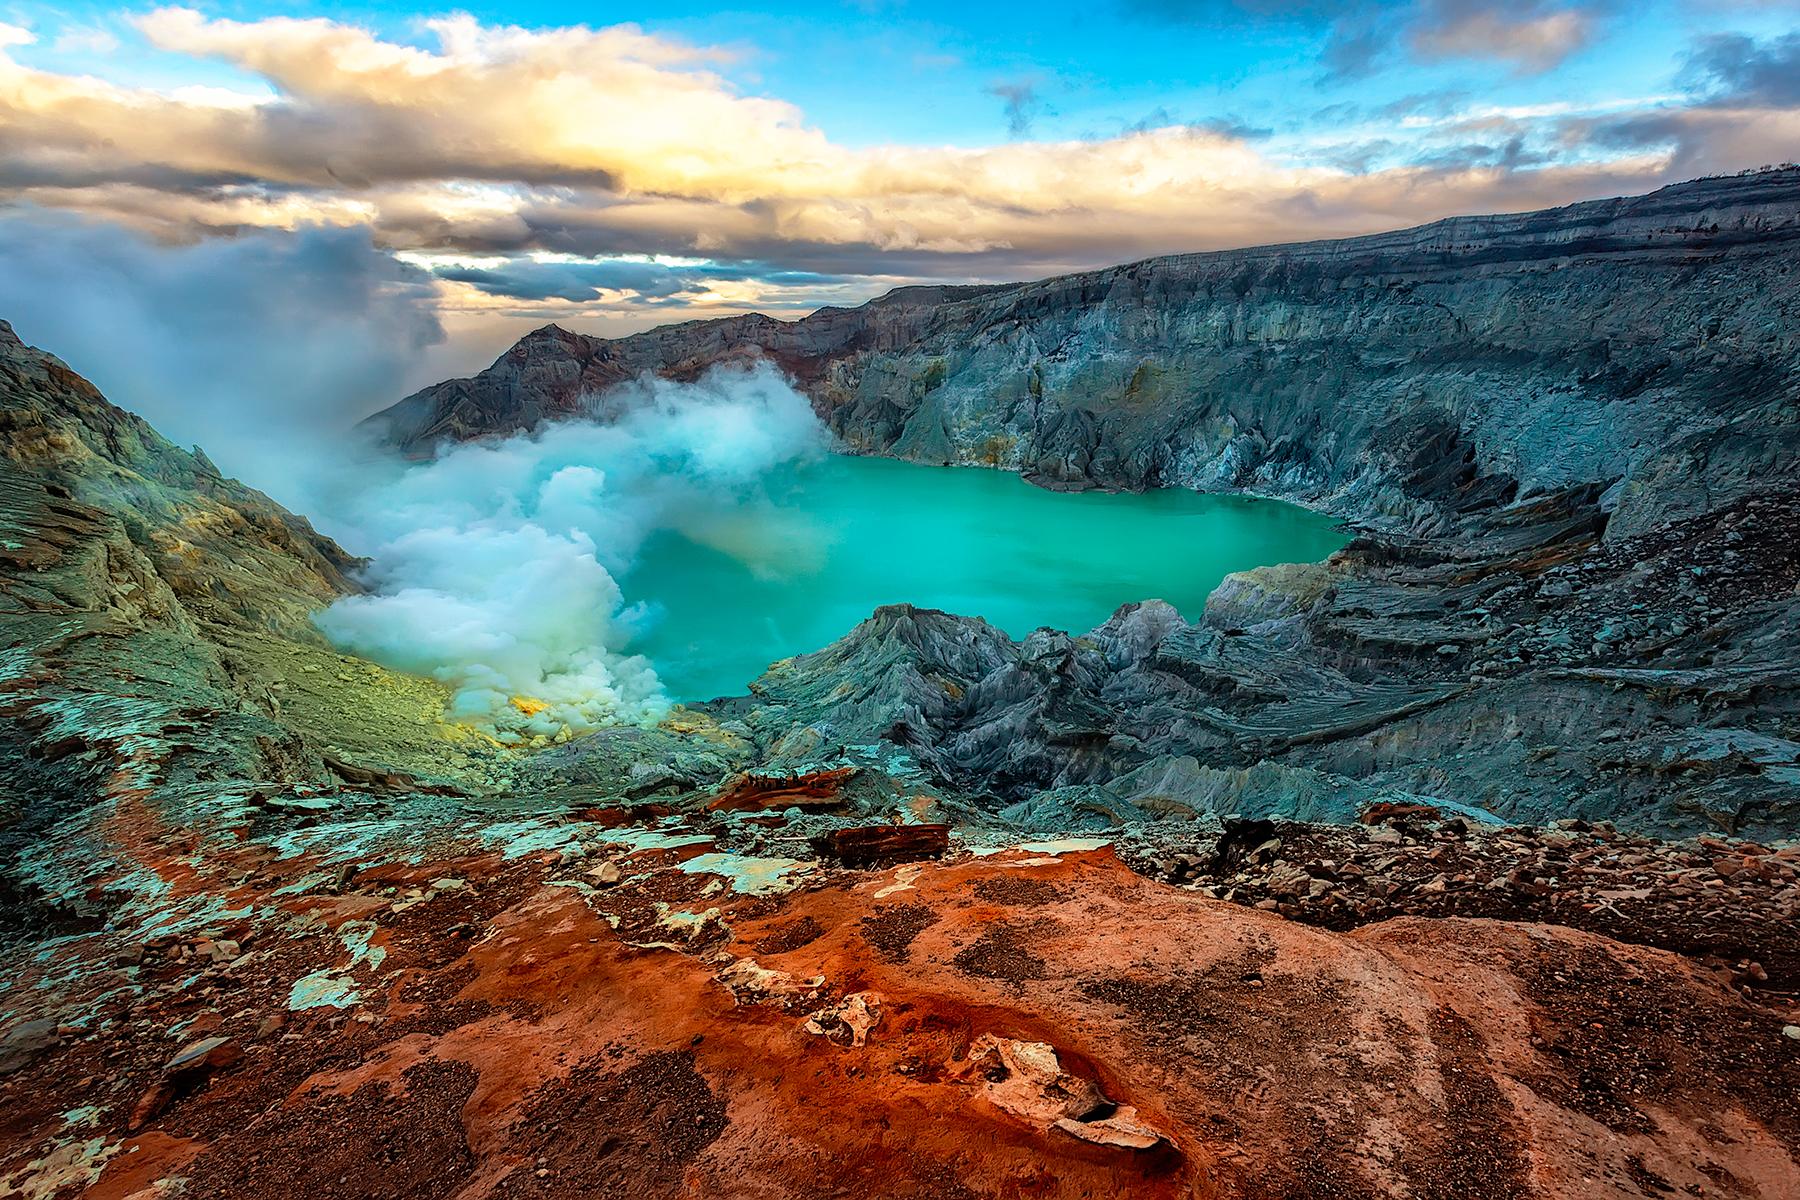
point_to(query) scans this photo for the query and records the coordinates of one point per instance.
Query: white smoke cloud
(495, 566)
(262, 349)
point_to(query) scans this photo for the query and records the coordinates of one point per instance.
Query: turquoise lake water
(735, 590)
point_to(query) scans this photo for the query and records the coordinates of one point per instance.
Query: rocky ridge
(1568, 441)
(159, 643)
(1644, 345)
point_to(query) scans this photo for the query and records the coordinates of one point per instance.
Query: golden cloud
(596, 141)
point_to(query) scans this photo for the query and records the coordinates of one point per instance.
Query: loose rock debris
(517, 1035)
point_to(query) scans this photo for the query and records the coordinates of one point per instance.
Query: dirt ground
(509, 1019)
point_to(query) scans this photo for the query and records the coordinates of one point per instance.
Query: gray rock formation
(1567, 441)
(1570, 440)
(1646, 345)
(1569, 679)
(157, 647)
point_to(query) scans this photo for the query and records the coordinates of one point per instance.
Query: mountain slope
(1400, 378)
(1571, 440)
(158, 643)
(269, 969)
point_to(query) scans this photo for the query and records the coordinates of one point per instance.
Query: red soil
(524, 1037)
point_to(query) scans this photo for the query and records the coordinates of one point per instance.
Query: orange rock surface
(523, 1034)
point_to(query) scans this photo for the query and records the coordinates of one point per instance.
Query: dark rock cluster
(1733, 904)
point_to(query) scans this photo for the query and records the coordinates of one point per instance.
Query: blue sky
(617, 166)
(916, 71)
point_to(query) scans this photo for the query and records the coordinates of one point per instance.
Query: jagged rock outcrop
(553, 373)
(156, 636)
(285, 958)
(281, 961)
(225, 552)
(1648, 681)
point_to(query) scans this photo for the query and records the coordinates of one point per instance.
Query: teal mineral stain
(749, 875)
(732, 590)
(358, 938)
(322, 989)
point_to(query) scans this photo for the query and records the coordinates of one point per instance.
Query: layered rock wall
(1645, 345)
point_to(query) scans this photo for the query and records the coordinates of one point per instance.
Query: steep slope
(1648, 342)
(655, 965)
(156, 624)
(1570, 440)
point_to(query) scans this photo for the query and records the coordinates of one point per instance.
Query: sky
(610, 167)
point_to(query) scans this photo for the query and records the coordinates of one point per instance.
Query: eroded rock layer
(1645, 344)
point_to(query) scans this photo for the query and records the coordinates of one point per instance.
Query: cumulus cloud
(1364, 35)
(539, 169)
(607, 142)
(248, 346)
(500, 132)
(495, 566)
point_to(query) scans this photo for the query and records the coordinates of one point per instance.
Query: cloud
(1740, 69)
(606, 144)
(575, 281)
(1692, 141)
(1363, 36)
(1354, 51)
(250, 347)
(1533, 36)
(1510, 155)
(634, 280)
(1021, 104)
(86, 40)
(1232, 12)
(1743, 110)
(1230, 126)
(1424, 104)
(495, 566)
(586, 142)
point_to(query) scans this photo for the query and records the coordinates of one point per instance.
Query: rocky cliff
(1569, 440)
(158, 642)
(1643, 346)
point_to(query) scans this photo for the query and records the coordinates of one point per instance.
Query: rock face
(1649, 680)
(156, 619)
(1570, 441)
(1403, 378)
(260, 937)
(553, 373)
